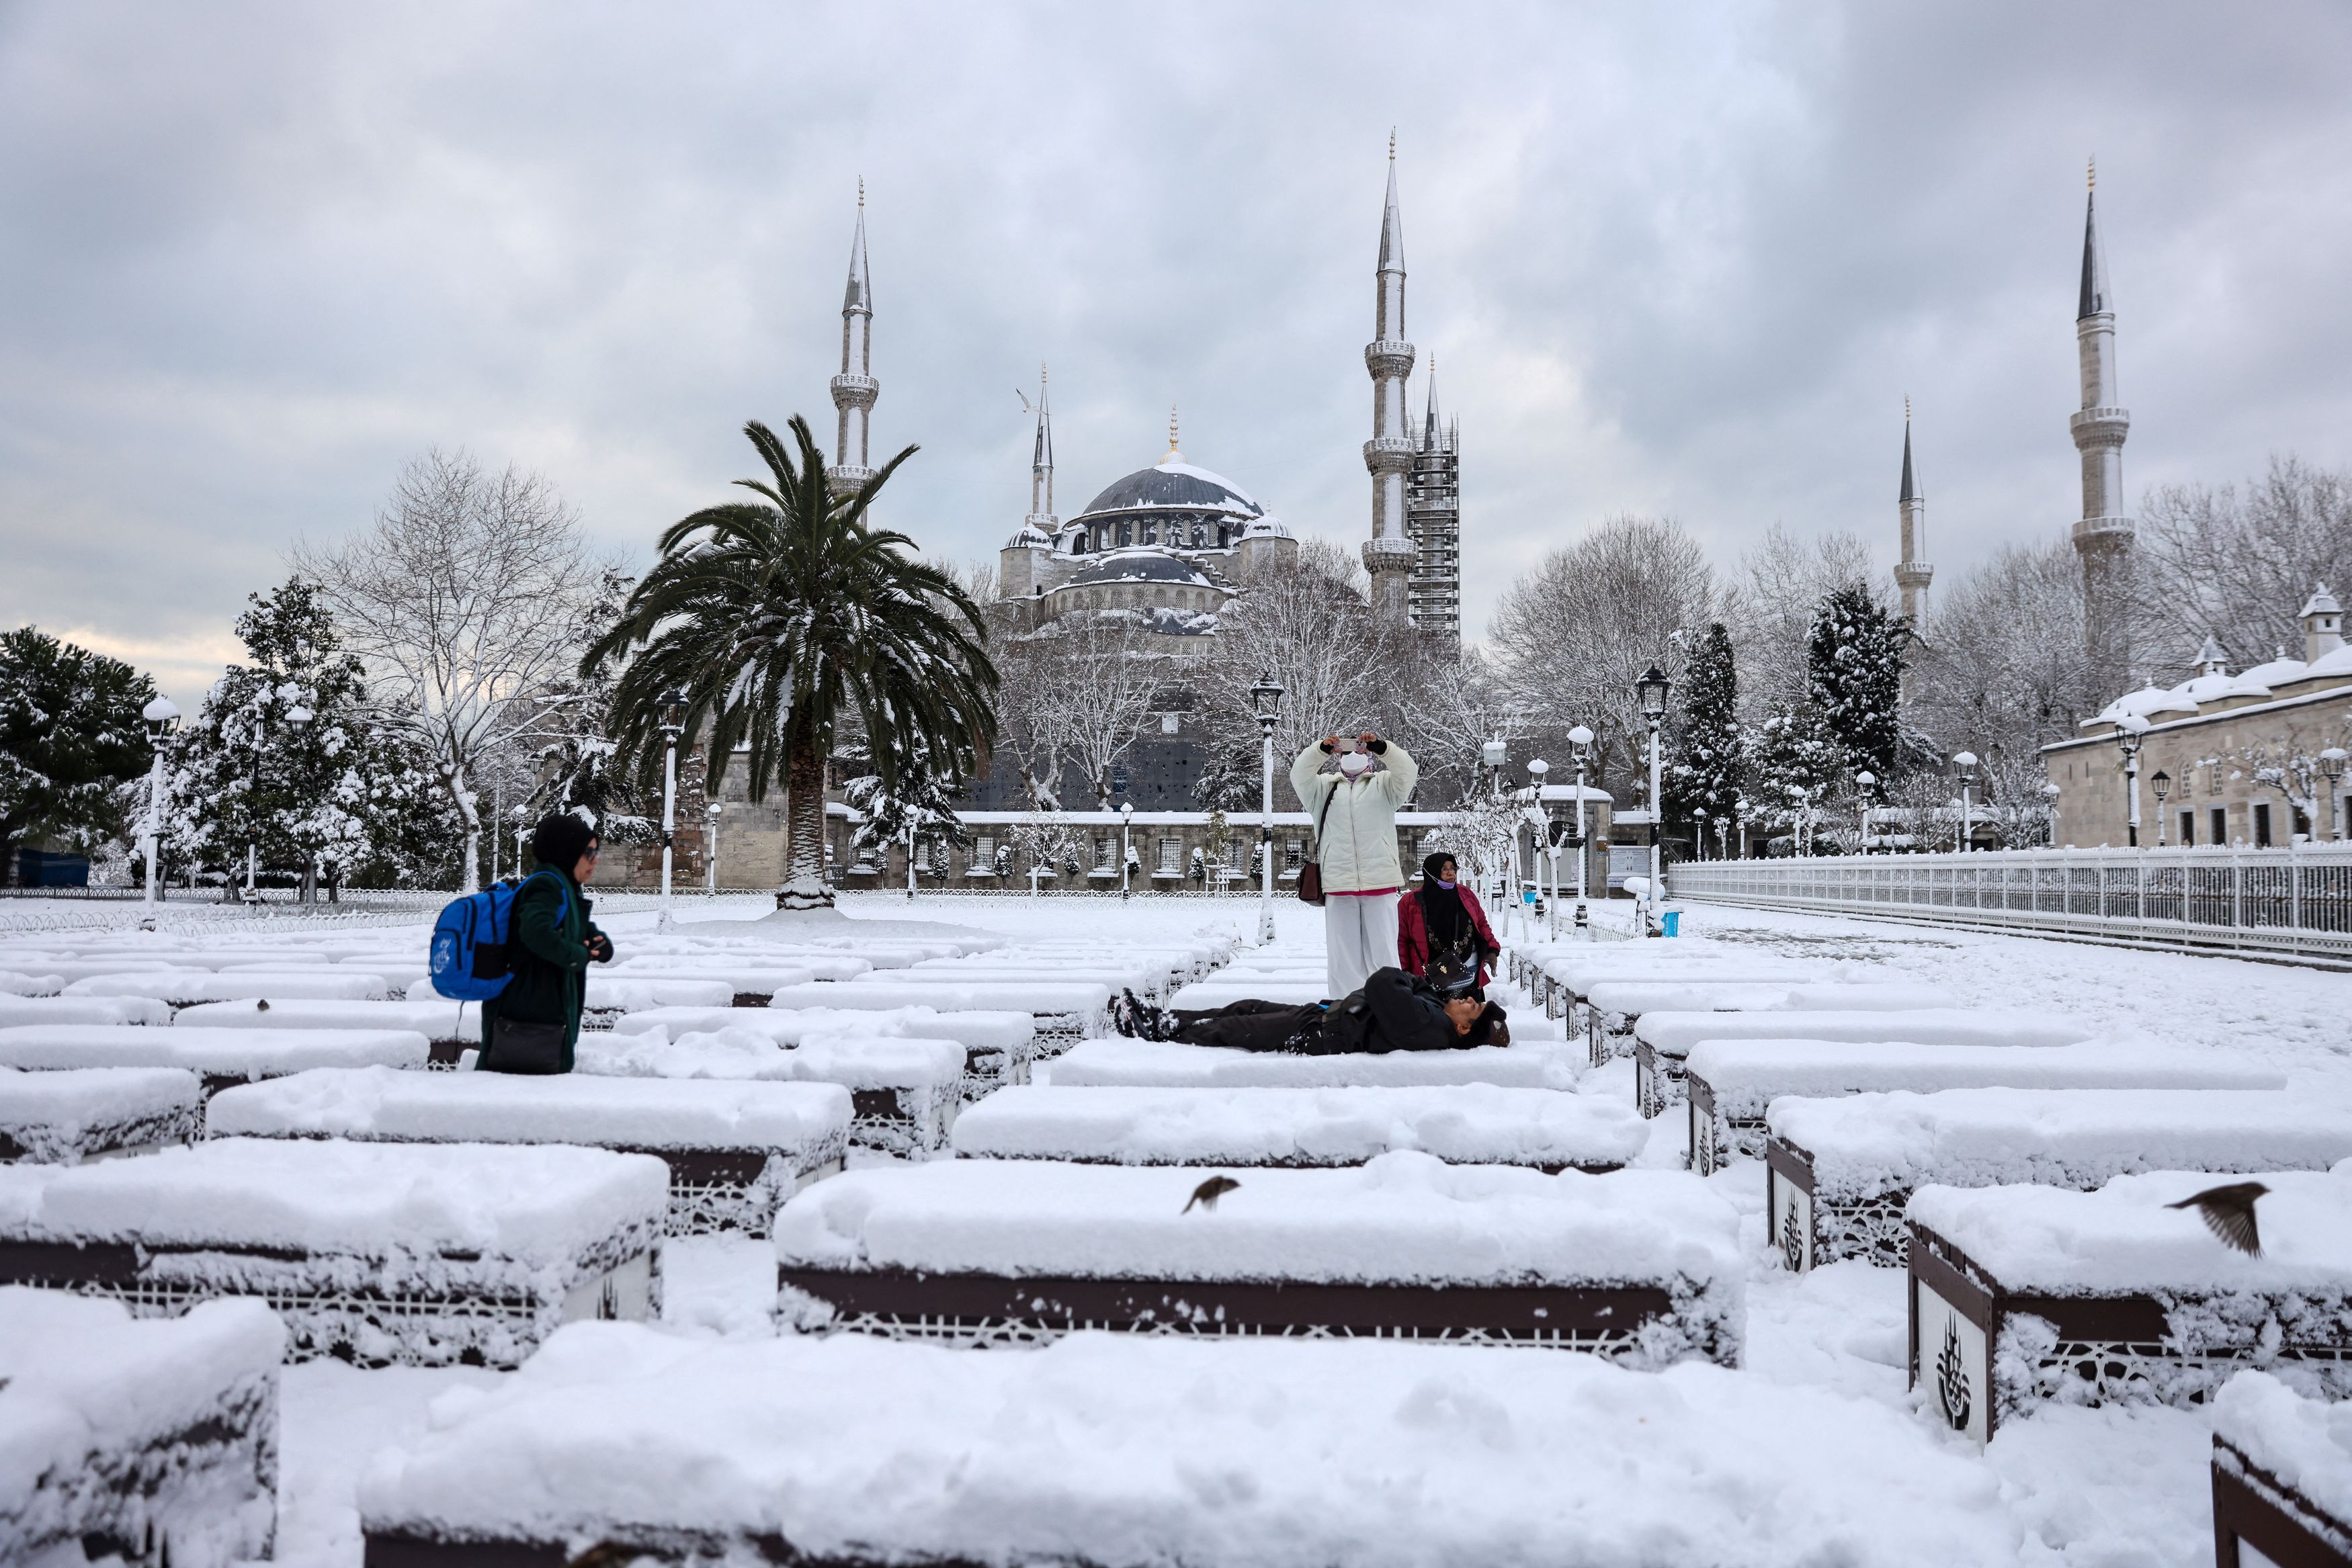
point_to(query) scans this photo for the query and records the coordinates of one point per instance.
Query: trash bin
(1671, 919)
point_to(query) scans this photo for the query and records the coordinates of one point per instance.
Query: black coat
(546, 954)
(1397, 1011)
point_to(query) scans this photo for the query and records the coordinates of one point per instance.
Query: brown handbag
(1310, 874)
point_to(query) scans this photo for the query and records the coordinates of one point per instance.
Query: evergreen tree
(917, 795)
(1853, 661)
(1708, 770)
(1799, 767)
(574, 763)
(70, 734)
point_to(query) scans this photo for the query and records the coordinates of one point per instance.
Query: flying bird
(1208, 1192)
(2229, 1213)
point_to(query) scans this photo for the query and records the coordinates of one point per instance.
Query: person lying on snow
(1394, 1011)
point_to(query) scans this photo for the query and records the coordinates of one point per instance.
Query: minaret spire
(854, 389)
(2102, 538)
(1389, 554)
(1912, 574)
(1041, 464)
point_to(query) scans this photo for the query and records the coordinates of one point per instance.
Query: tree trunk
(453, 780)
(804, 885)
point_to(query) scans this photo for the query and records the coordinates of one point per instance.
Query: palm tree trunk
(804, 885)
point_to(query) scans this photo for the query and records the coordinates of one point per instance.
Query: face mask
(1446, 885)
(1354, 763)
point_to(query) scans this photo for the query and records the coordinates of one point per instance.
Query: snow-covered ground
(2088, 1488)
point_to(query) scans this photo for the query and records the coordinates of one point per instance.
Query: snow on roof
(2123, 1238)
(1866, 1145)
(2278, 672)
(2335, 661)
(2321, 602)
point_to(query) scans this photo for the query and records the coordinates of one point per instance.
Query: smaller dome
(1138, 565)
(1029, 538)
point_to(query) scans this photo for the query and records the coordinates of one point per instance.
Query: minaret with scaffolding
(1433, 520)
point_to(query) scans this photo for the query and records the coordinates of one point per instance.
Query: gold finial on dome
(1173, 456)
(2094, 172)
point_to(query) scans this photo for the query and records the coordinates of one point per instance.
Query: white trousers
(1359, 935)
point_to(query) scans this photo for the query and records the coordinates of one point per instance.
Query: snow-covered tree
(919, 796)
(570, 760)
(1797, 770)
(2236, 564)
(1050, 841)
(70, 735)
(1708, 761)
(1854, 658)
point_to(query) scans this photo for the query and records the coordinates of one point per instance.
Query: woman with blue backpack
(533, 1021)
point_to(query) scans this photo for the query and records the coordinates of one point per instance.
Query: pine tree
(1853, 661)
(70, 734)
(1704, 777)
(1798, 766)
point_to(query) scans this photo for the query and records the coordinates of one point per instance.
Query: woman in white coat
(1353, 789)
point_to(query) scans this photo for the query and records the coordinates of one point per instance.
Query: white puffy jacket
(1356, 849)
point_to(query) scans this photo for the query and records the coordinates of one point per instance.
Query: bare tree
(1308, 625)
(1572, 635)
(1771, 606)
(1078, 692)
(2238, 566)
(464, 599)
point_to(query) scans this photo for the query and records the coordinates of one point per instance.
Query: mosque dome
(1174, 484)
(1144, 565)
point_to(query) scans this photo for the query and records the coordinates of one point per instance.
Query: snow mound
(1148, 1064)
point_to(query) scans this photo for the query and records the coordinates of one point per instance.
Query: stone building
(2242, 756)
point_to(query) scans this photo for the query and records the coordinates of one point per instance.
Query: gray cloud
(1681, 258)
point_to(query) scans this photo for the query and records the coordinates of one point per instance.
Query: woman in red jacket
(1441, 919)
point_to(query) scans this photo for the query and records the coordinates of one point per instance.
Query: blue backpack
(469, 941)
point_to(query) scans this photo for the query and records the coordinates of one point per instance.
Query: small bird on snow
(262, 1006)
(2229, 1213)
(1208, 1192)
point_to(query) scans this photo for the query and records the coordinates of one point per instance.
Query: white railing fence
(2294, 902)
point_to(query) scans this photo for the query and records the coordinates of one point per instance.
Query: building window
(1171, 856)
(2221, 824)
(2262, 824)
(1125, 533)
(1167, 723)
(984, 850)
(1237, 854)
(1151, 533)
(1106, 854)
(1222, 536)
(1293, 854)
(922, 857)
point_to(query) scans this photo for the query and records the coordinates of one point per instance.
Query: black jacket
(547, 953)
(1397, 1011)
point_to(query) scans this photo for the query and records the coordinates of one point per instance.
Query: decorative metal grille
(1871, 1230)
(991, 1333)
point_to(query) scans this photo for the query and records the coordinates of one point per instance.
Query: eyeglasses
(593, 851)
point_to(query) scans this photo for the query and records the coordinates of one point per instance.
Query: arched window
(1151, 533)
(1221, 536)
(1127, 533)
(1078, 542)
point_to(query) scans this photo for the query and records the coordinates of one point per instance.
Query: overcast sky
(1682, 258)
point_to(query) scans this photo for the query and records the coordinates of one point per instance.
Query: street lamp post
(299, 718)
(1265, 699)
(2331, 763)
(1540, 821)
(673, 710)
(1862, 787)
(1966, 762)
(1125, 846)
(1493, 754)
(710, 852)
(2129, 729)
(2161, 783)
(163, 716)
(911, 854)
(1652, 690)
(1580, 740)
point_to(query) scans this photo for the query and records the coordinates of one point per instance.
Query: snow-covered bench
(183, 988)
(1475, 1123)
(453, 1028)
(1614, 1007)
(155, 1443)
(18, 1011)
(376, 1252)
(1730, 1082)
(16, 983)
(1130, 1452)
(2023, 1295)
(1642, 1266)
(220, 1057)
(904, 1093)
(1663, 1040)
(998, 1046)
(608, 994)
(735, 1150)
(2282, 1477)
(1559, 976)
(80, 1113)
(1148, 1064)
(1226, 989)
(1062, 1012)
(1838, 1172)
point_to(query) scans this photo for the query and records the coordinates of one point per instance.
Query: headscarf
(560, 840)
(1442, 915)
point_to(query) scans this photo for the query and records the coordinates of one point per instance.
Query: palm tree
(778, 618)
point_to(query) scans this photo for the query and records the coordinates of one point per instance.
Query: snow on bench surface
(1128, 1451)
(1672, 1034)
(540, 1205)
(2121, 1240)
(186, 986)
(2305, 1443)
(605, 991)
(20, 1010)
(876, 1062)
(1866, 1145)
(1402, 1217)
(885, 992)
(438, 1018)
(1148, 1064)
(1637, 997)
(215, 1052)
(1222, 990)
(983, 1030)
(15, 984)
(1469, 1124)
(1745, 1076)
(117, 1428)
(377, 1102)
(743, 978)
(62, 1116)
